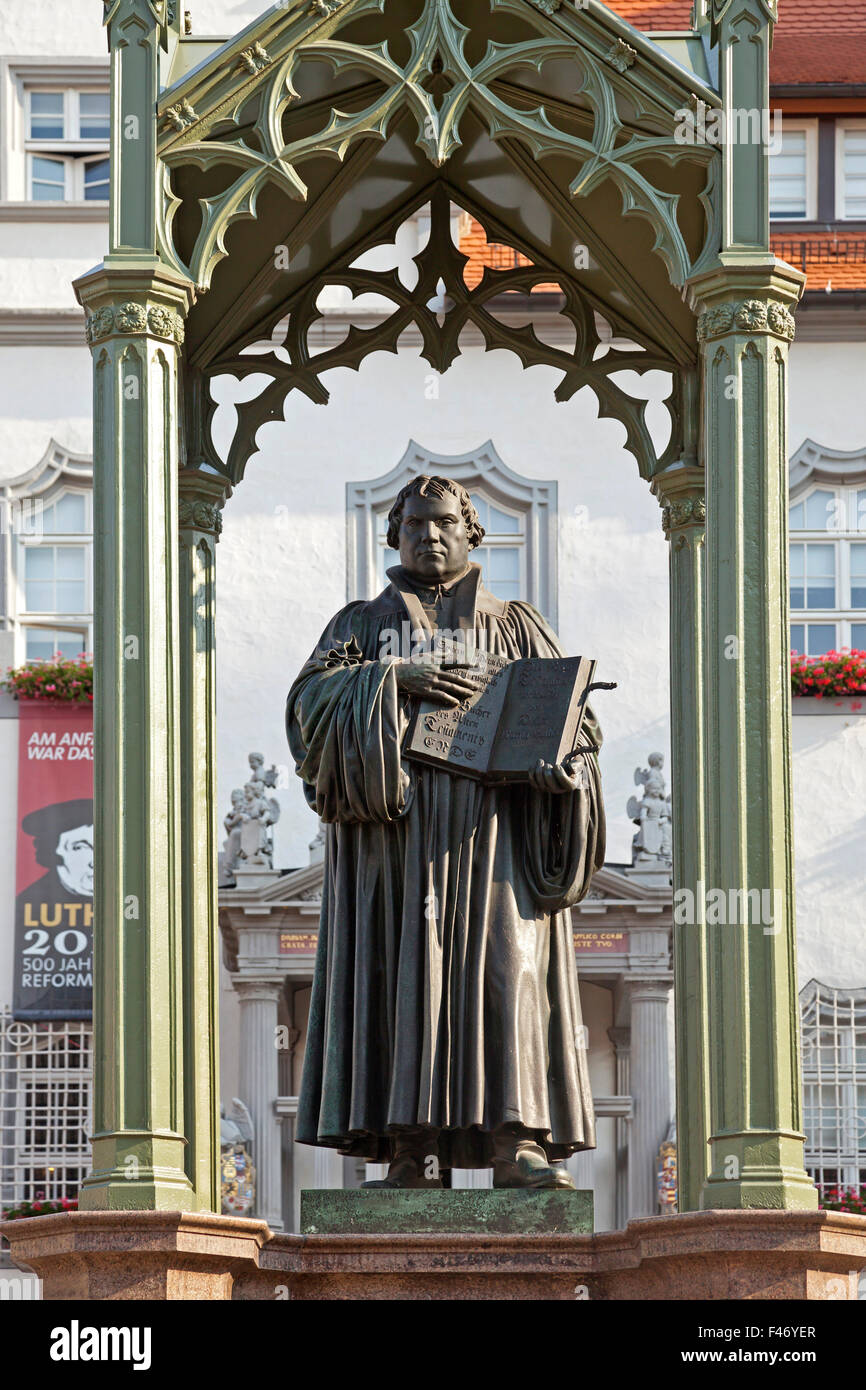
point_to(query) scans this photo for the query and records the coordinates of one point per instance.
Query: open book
(521, 711)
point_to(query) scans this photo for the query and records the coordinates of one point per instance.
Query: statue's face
(434, 544)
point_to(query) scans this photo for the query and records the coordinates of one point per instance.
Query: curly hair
(429, 485)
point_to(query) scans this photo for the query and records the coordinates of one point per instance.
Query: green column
(151, 1148)
(135, 328)
(201, 497)
(756, 1143)
(681, 489)
(745, 326)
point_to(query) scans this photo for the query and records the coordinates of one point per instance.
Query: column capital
(649, 989)
(266, 990)
(621, 1039)
(751, 298)
(681, 491)
(201, 497)
(134, 301)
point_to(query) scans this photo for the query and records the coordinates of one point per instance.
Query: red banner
(54, 878)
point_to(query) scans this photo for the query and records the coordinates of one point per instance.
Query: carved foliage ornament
(685, 511)
(181, 115)
(621, 56)
(747, 316)
(134, 317)
(197, 515)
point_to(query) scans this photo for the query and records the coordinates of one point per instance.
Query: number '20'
(41, 940)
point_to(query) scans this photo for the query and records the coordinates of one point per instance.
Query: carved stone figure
(233, 823)
(652, 814)
(253, 813)
(445, 1024)
(258, 814)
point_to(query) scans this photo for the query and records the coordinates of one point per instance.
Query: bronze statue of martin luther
(445, 1026)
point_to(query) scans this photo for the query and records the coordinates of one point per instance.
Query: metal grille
(46, 1072)
(834, 1085)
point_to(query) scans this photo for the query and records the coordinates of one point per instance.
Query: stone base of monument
(699, 1255)
(443, 1211)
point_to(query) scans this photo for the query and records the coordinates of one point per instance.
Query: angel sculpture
(259, 812)
(652, 814)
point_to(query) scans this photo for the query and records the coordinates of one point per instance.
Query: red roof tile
(815, 40)
(802, 57)
(831, 262)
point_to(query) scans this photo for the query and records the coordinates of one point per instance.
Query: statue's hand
(428, 680)
(557, 777)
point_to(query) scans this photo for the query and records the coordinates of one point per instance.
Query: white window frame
(74, 182)
(842, 615)
(842, 125)
(811, 129)
(58, 472)
(54, 619)
(838, 1013)
(74, 152)
(72, 76)
(65, 143)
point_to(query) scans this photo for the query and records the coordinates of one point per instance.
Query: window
(851, 170)
(54, 572)
(834, 1084)
(66, 142)
(827, 569)
(793, 173)
(501, 556)
(45, 1100)
(519, 515)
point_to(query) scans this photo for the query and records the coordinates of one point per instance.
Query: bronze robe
(445, 989)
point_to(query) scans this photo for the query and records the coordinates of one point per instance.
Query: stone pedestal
(699, 1255)
(376, 1211)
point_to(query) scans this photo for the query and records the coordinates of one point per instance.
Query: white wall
(74, 28)
(827, 402)
(830, 846)
(45, 392)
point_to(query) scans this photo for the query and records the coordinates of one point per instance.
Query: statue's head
(434, 526)
(237, 796)
(256, 760)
